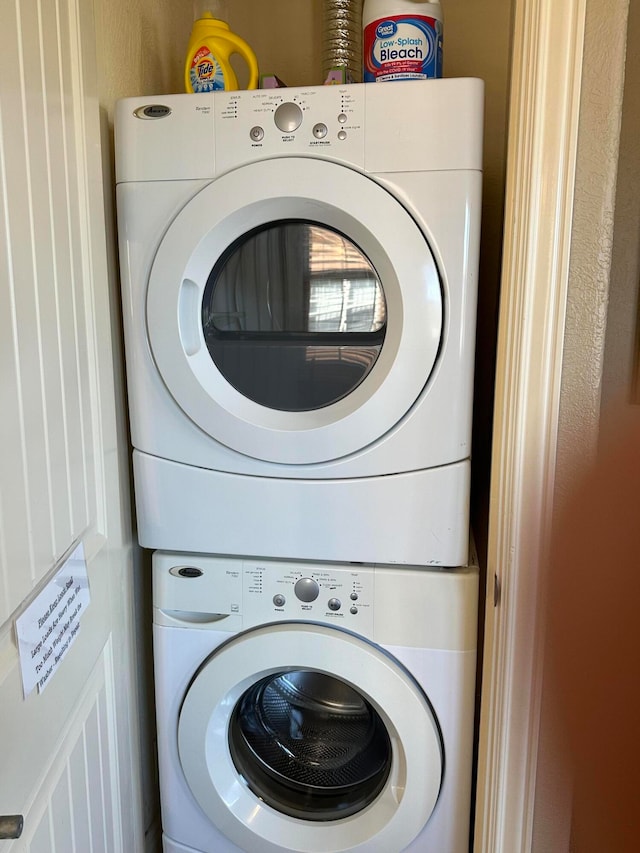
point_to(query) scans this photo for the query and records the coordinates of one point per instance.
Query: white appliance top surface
(393, 127)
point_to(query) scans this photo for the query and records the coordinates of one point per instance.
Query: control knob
(306, 589)
(288, 117)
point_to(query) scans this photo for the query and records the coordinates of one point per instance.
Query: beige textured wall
(285, 36)
(141, 47)
(622, 316)
(592, 239)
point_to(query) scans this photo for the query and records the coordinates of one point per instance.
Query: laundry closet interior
(310, 562)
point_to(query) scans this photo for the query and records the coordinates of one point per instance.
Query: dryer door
(299, 736)
(294, 310)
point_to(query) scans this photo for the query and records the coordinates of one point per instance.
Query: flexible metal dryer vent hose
(342, 37)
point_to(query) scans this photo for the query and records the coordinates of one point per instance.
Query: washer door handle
(194, 617)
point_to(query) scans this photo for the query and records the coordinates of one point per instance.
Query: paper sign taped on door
(49, 626)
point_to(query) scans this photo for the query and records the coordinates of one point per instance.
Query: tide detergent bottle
(207, 67)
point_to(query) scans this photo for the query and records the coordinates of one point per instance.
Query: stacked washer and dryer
(299, 272)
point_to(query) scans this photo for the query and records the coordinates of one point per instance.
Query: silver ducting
(342, 37)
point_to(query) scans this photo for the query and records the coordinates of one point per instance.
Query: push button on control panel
(256, 133)
(279, 600)
(306, 589)
(320, 130)
(335, 604)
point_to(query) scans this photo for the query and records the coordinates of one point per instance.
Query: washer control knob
(335, 604)
(288, 117)
(306, 589)
(279, 600)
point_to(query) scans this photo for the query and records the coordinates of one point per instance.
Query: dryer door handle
(188, 316)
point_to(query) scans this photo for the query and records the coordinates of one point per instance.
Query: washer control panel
(232, 594)
(323, 593)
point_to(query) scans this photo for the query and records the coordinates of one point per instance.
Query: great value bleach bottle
(402, 40)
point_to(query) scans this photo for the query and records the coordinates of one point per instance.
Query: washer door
(298, 736)
(294, 310)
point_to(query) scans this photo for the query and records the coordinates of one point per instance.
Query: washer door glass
(310, 745)
(294, 316)
(294, 310)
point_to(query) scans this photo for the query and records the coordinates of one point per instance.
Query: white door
(253, 732)
(69, 754)
(294, 310)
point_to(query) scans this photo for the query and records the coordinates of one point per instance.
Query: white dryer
(313, 708)
(299, 292)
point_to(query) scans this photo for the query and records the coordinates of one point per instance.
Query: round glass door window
(294, 315)
(310, 745)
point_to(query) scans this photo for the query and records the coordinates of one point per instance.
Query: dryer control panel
(319, 121)
(411, 126)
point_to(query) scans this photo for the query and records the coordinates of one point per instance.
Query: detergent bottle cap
(210, 9)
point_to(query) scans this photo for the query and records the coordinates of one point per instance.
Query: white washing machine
(299, 290)
(313, 707)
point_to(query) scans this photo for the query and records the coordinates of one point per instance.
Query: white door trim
(544, 112)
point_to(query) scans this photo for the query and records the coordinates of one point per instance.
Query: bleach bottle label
(402, 47)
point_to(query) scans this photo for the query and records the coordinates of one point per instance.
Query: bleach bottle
(207, 67)
(402, 40)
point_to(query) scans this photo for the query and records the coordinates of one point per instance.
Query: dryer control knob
(288, 117)
(306, 589)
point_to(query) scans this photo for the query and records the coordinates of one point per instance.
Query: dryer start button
(306, 589)
(288, 117)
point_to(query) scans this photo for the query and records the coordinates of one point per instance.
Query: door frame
(546, 76)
